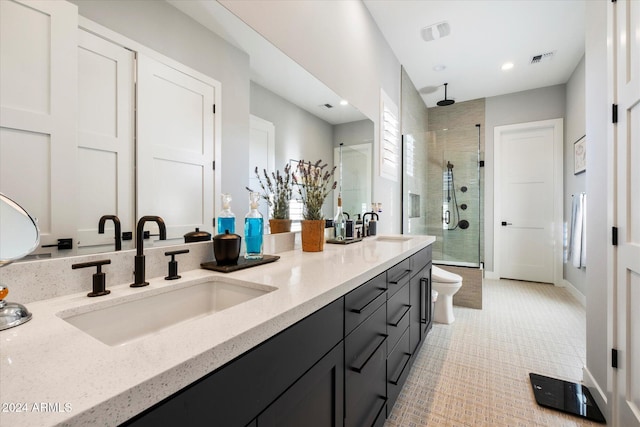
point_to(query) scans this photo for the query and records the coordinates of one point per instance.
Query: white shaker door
(105, 139)
(37, 113)
(175, 148)
(627, 194)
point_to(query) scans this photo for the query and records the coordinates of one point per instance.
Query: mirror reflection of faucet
(139, 263)
(116, 223)
(371, 226)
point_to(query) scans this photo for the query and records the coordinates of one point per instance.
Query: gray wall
(574, 128)
(521, 107)
(598, 288)
(299, 134)
(324, 37)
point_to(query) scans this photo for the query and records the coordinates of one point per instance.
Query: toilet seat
(442, 276)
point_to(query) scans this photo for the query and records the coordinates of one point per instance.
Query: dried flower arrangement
(315, 182)
(276, 190)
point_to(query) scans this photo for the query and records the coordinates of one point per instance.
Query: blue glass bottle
(226, 219)
(253, 229)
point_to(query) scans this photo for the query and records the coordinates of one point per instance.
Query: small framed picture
(580, 156)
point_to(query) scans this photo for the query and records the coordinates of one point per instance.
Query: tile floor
(475, 372)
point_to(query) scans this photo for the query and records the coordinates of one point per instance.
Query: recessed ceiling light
(344, 102)
(439, 67)
(507, 66)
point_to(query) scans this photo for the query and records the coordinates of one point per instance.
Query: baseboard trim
(575, 293)
(596, 392)
(491, 275)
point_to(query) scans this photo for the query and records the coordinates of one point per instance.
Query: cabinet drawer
(398, 316)
(398, 275)
(420, 259)
(398, 367)
(364, 300)
(365, 373)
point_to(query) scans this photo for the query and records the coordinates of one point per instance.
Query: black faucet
(116, 223)
(139, 258)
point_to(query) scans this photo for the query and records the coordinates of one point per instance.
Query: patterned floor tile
(475, 372)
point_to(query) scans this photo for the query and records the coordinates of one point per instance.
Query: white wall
(521, 107)
(340, 44)
(574, 128)
(598, 289)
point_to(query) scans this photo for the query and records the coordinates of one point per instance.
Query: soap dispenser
(253, 229)
(226, 219)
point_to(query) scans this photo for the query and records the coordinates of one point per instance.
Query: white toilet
(446, 284)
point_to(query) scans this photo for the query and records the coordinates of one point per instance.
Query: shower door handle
(447, 217)
(505, 223)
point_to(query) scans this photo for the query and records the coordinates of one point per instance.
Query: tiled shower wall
(453, 136)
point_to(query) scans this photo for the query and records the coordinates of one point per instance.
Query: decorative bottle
(340, 222)
(226, 219)
(253, 229)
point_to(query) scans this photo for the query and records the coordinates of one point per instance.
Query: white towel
(578, 236)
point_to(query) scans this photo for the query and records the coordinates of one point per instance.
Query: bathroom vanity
(329, 340)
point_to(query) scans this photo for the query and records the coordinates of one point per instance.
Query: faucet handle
(99, 278)
(173, 264)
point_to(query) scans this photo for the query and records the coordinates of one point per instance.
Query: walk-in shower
(448, 203)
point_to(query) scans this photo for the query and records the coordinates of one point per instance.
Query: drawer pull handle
(424, 299)
(382, 405)
(364, 307)
(397, 322)
(381, 339)
(406, 356)
(400, 277)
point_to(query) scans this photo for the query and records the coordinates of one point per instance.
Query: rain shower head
(445, 101)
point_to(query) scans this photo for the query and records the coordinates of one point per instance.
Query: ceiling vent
(436, 31)
(327, 106)
(543, 57)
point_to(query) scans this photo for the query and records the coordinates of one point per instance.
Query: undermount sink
(393, 238)
(130, 320)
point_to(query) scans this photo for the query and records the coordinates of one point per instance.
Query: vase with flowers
(277, 189)
(315, 182)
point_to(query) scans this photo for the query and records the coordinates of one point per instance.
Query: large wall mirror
(306, 118)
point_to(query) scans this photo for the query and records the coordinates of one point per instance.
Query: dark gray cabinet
(365, 373)
(315, 400)
(235, 394)
(343, 365)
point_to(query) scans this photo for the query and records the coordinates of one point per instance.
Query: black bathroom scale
(565, 396)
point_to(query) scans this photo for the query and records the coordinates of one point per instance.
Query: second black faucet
(139, 263)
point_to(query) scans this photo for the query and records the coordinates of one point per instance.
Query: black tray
(345, 241)
(242, 263)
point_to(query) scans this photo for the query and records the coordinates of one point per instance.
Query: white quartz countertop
(52, 373)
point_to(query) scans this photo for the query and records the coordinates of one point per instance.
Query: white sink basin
(393, 238)
(130, 320)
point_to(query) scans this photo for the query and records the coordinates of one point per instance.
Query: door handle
(505, 223)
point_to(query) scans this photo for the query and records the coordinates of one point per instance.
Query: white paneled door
(105, 138)
(37, 112)
(626, 37)
(175, 147)
(527, 181)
